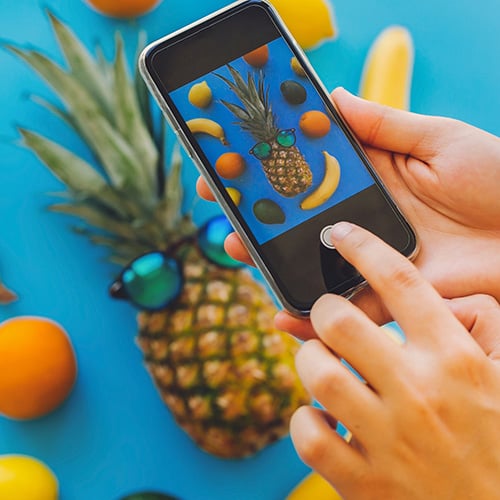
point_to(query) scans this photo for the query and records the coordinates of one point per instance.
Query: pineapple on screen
(219, 364)
(285, 167)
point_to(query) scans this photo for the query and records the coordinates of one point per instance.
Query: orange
(124, 8)
(38, 367)
(257, 57)
(315, 124)
(230, 165)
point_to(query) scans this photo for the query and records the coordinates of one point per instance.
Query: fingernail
(339, 231)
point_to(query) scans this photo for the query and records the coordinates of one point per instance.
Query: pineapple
(219, 364)
(286, 168)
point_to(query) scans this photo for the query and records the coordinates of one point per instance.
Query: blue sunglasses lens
(211, 241)
(262, 150)
(286, 138)
(153, 281)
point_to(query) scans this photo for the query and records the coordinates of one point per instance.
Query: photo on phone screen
(282, 158)
(275, 148)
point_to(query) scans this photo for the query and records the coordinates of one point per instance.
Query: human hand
(427, 422)
(445, 176)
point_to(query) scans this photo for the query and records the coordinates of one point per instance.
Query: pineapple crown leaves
(127, 196)
(121, 142)
(255, 115)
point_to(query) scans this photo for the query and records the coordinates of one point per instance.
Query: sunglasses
(285, 138)
(154, 280)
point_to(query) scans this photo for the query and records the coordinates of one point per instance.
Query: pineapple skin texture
(287, 170)
(225, 372)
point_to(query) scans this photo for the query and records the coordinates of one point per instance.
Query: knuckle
(404, 275)
(333, 316)
(342, 319)
(325, 382)
(312, 447)
(420, 404)
(463, 363)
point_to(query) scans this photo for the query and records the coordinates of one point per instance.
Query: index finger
(388, 128)
(410, 299)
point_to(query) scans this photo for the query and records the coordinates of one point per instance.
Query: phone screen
(276, 148)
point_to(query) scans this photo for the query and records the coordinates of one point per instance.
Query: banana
(388, 69)
(314, 487)
(207, 126)
(328, 185)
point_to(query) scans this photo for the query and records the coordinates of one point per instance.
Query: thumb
(388, 128)
(480, 314)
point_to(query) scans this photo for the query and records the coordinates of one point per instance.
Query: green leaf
(237, 111)
(123, 167)
(55, 110)
(161, 142)
(126, 251)
(74, 172)
(173, 191)
(140, 86)
(96, 218)
(129, 119)
(78, 175)
(83, 67)
(103, 65)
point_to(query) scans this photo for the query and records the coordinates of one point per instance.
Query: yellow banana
(207, 126)
(314, 487)
(328, 185)
(388, 69)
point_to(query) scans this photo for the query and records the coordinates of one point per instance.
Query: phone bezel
(147, 71)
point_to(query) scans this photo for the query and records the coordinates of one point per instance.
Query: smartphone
(261, 128)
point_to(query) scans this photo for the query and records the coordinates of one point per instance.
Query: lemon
(310, 22)
(200, 95)
(23, 477)
(234, 194)
(296, 67)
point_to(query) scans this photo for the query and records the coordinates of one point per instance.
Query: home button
(325, 237)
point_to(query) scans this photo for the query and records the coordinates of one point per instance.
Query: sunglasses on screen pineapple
(154, 280)
(285, 138)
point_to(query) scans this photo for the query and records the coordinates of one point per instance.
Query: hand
(445, 176)
(427, 422)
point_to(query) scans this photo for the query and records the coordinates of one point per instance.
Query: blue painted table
(114, 435)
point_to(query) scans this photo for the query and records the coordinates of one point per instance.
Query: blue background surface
(252, 184)
(114, 435)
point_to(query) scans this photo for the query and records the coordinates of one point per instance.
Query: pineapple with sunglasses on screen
(205, 326)
(284, 165)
